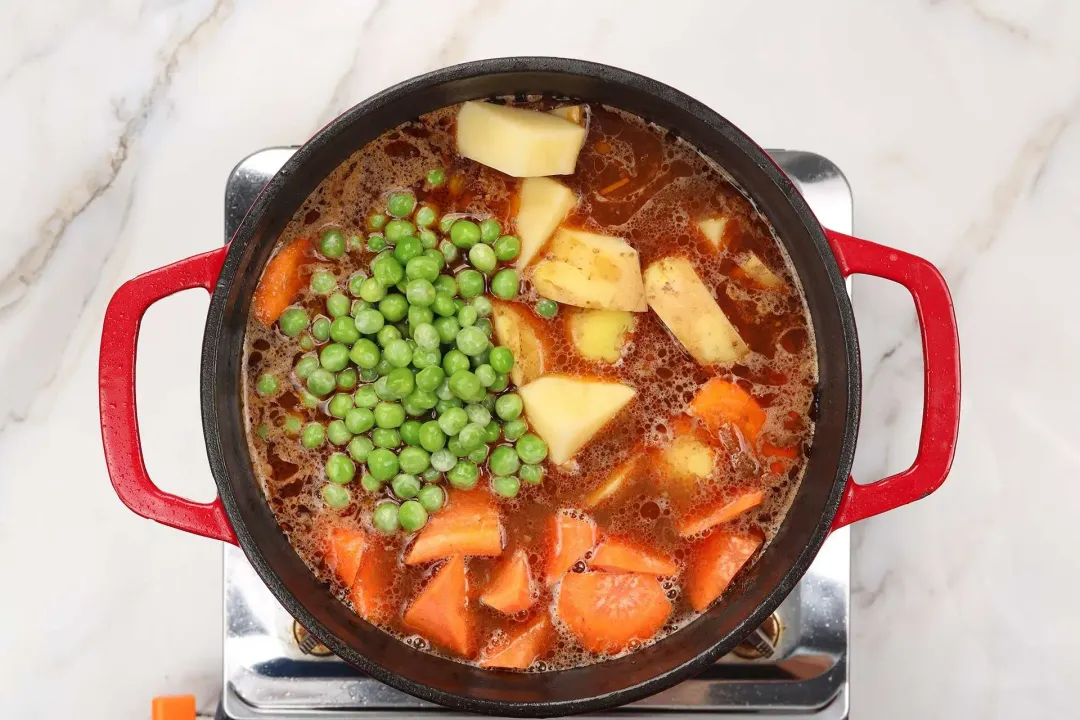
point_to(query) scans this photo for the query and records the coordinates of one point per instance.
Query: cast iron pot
(827, 499)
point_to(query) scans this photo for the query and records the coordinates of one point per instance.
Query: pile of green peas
(404, 364)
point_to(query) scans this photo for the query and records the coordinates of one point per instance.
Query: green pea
(431, 497)
(431, 475)
(422, 268)
(267, 384)
(359, 420)
(334, 357)
(505, 284)
(375, 243)
(482, 257)
(430, 378)
(467, 316)
(321, 382)
(479, 455)
(400, 382)
(478, 414)
(263, 431)
(343, 330)
(293, 321)
(491, 432)
(313, 435)
(471, 437)
(307, 343)
(547, 308)
(339, 405)
(506, 486)
(393, 307)
(484, 325)
(412, 516)
(307, 399)
(532, 474)
(443, 460)
(514, 429)
(470, 283)
(463, 475)
(480, 358)
(429, 240)
(320, 328)
(482, 306)
(449, 251)
(355, 281)
(385, 517)
(388, 271)
(370, 321)
(386, 437)
(398, 353)
(501, 359)
(470, 340)
(420, 314)
(488, 402)
(340, 468)
(465, 385)
(509, 406)
(531, 449)
(422, 400)
(436, 177)
(367, 482)
(335, 496)
(407, 249)
(504, 461)
(490, 230)
(447, 328)
(347, 379)
(365, 397)
(423, 358)
(397, 230)
(445, 284)
(443, 392)
(454, 446)
(401, 204)
(486, 375)
(413, 460)
(389, 415)
(360, 448)
(372, 291)
(443, 405)
(455, 361)
(376, 221)
(453, 421)
(507, 248)
(292, 425)
(425, 216)
(382, 389)
(420, 292)
(426, 336)
(322, 282)
(405, 486)
(332, 244)
(365, 354)
(464, 233)
(382, 464)
(431, 436)
(502, 381)
(410, 432)
(337, 433)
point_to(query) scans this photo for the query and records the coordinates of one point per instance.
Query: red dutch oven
(826, 500)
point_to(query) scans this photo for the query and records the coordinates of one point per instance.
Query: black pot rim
(216, 452)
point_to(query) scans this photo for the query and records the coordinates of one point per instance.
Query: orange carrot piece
(571, 537)
(713, 564)
(440, 612)
(468, 525)
(280, 282)
(622, 555)
(617, 480)
(608, 610)
(712, 516)
(720, 402)
(520, 650)
(371, 589)
(511, 590)
(344, 553)
(775, 451)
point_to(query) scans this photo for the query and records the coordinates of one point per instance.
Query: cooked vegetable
(686, 460)
(713, 230)
(719, 403)
(521, 649)
(600, 334)
(370, 591)
(758, 271)
(468, 525)
(617, 480)
(622, 555)
(510, 591)
(518, 142)
(544, 204)
(592, 271)
(573, 113)
(344, 551)
(440, 612)
(704, 518)
(685, 305)
(713, 563)
(567, 412)
(571, 537)
(514, 332)
(608, 610)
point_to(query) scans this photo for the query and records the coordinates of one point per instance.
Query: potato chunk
(518, 142)
(513, 330)
(687, 307)
(591, 271)
(567, 412)
(759, 272)
(713, 230)
(544, 204)
(573, 113)
(600, 334)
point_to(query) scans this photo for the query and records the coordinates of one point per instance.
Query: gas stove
(794, 666)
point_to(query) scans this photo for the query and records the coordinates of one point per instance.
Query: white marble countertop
(956, 122)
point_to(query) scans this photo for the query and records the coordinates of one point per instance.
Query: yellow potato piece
(518, 142)
(591, 271)
(688, 309)
(573, 113)
(544, 204)
(688, 457)
(713, 229)
(600, 334)
(759, 272)
(567, 412)
(513, 331)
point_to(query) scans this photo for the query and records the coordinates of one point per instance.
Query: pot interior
(681, 654)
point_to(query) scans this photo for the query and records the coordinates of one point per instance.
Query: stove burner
(307, 643)
(762, 642)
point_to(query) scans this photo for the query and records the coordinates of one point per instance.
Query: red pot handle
(116, 388)
(941, 387)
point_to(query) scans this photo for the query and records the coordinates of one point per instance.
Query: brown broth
(669, 187)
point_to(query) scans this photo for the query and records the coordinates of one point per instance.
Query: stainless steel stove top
(795, 666)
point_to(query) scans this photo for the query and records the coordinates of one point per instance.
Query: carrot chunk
(775, 451)
(621, 555)
(511, 590)
(440, 612)
(608, 610)
(519, 650)
(571, 537)
(468, 525)
(711, 516)
(281, 281)
(720, 402)
(371, 589)
(344, 553)
(714, 562)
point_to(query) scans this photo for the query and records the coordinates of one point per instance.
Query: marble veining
(954, 120)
